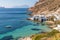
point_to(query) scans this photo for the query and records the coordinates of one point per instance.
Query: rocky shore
(51, 11)
(25, 38)
(49, 8)
(45, 6)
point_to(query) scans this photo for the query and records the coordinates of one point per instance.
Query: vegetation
(38, 36)
(42, 6)
(52, 35)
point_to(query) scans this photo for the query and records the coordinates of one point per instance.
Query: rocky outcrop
(45, 5)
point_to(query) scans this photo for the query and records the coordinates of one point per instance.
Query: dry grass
(54, 35)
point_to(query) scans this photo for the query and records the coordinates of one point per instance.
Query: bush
(52, 33)
(39, 36)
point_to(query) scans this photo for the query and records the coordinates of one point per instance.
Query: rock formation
(45, 6)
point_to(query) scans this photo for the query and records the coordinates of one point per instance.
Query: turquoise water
(20, 27)
(26, 31)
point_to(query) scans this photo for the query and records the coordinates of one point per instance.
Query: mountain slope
(45, 5)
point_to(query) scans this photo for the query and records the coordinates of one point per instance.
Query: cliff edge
(45, 6)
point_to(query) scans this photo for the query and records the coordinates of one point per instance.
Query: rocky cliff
(45, 6)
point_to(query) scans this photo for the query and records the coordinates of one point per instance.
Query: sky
(15, 3)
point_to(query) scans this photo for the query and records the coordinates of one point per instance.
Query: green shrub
(52, 33)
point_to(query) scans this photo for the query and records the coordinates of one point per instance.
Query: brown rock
(43, 5)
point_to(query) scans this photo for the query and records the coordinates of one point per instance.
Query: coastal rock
(44, 5)
(25, 38)
(49, 22)
(53, 26)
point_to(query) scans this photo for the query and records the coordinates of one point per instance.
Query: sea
(13, 21)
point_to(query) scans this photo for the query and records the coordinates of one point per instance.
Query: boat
(9, 26)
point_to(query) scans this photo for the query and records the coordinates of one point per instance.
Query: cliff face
(45, 5)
